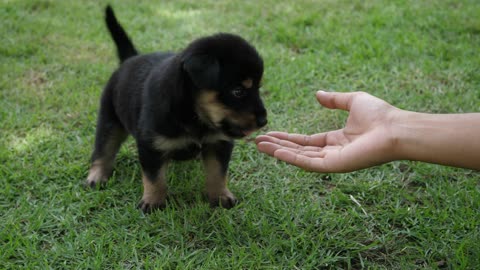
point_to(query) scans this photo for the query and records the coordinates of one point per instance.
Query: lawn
(55, 57)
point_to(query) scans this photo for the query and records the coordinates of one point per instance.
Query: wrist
(400, 133)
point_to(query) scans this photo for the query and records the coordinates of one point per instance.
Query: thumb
(335, 100)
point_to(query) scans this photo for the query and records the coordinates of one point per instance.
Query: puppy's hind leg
(215, 161)
(110, 135)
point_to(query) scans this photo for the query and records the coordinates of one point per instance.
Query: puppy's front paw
(97, 177)
(148, 206)
(154, 193)
(225, 199)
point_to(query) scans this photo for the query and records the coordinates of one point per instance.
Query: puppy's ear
(204, 70)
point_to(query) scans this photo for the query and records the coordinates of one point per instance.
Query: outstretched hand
(365, 140)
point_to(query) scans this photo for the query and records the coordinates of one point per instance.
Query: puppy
(178, 106)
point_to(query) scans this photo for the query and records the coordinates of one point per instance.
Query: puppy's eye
(239, 92)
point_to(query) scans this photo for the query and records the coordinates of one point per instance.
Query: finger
(304, 162)
(269, 148)
(276, 134)
(266, 138)
(327, 160)
(311, 154)
(316, 140)
(335, 100)
(290, 144)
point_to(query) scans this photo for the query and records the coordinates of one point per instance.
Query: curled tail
(125, 47)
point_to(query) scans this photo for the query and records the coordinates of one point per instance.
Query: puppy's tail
(125, 47)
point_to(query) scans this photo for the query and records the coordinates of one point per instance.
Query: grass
(55, 56)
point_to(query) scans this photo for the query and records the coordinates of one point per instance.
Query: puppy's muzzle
(261, 119)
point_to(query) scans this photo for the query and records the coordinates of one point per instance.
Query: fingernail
(320, 92)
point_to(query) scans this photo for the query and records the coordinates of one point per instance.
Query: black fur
(125, 48)
(178, 105)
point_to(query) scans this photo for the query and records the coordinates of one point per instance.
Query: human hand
(365, 141)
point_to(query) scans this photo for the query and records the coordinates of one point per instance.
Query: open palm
(365, 140)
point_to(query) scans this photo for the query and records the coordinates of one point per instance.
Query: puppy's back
(128, 84)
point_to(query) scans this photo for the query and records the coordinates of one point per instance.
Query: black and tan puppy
(177, 106)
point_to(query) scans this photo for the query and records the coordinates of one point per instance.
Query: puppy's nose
(261, 120)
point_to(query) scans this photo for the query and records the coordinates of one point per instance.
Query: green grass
(55, 57)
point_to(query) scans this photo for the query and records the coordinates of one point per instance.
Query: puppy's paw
(94, 185)
(148, 206)
(224, 199)
(97, 178)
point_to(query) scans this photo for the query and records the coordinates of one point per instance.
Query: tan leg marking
(154, 191)
(99, 172)
(101, 168)
(216, 185)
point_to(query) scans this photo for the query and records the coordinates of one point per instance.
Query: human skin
(376, 133)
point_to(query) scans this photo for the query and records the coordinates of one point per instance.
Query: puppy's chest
(185, 147)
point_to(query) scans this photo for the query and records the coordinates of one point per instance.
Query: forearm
(448, 139)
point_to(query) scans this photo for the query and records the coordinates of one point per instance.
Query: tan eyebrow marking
(248, 83)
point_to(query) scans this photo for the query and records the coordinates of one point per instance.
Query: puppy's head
(226, 72)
